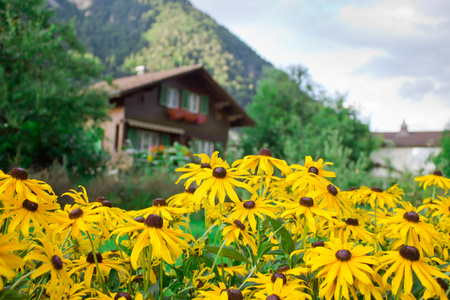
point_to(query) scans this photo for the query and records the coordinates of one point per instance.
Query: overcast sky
(391, 57)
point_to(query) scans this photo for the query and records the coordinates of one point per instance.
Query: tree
(442, 160)
(45, 99)
(295, 118)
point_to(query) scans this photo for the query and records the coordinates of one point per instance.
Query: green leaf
(281, 233)
(8, 294)
(264, 248)
(229, 252)
(114, 280)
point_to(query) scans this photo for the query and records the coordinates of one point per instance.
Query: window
(202, 146)
(204, 108)
(173, 98)
(193, 103)
(147, 139)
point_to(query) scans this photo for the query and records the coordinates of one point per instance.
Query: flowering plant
(292, 234)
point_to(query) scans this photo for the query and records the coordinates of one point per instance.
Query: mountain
(162, 34)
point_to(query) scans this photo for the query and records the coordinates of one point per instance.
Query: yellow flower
(88, 263)
(351, 228)
(166, 243)
(236, 232)
(403, 263)
(340, 265)
(52, 261)
(249, 209)
(307, 208)
(76, 219)
(231, 270)
(264, 162)
(441, 208)
(377, 196)
(309, 174)
(159, 207)
(221, 293)
(329, 198)
(17, 184)
(278, 291)
(8, 261)
(434, 179)
(206, 163)
(26, 213)
(185, 200)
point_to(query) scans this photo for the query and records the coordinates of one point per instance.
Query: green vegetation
(163, 34)
(45, 105)
(442, 160)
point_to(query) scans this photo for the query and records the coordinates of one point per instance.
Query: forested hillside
(162, 34)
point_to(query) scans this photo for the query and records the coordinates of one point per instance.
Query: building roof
(405, 138)
(126, 85)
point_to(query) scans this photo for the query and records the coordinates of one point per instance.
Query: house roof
(405, 138)
(125, 85)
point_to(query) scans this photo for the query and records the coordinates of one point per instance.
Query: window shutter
(165, 139)
(204, 106)
(196, 146)
(184, 99)
(163, 95)
(132, 136)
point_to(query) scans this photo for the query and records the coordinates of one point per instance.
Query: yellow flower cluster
(282, 232)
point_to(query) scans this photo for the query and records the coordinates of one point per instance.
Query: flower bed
(282, 232)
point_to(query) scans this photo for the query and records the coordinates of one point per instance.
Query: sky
(391, 58)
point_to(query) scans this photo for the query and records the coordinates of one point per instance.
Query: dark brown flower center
(140, 219)
(249, 204)
(306, 201)
(343, 255)
(19, 173)
(352, 189)
(205, 165)
(107, 203)
(76, 213)
(282, 269)
(100, 199)
(239, 224)
(273, 297)
(313, 170)
(410, 253)
(191, 190)
(351, 221)
(159, 202)
(90, 258)
(122, 294)
(30, 205)
(219, 172)
(57, 262)
(233, 294)
(411, 216)
(199, 284)
(332, 189)
(442, 283)
(154, 221)
(318, 244)
(376, 189)
(225, 265)
(265, 152)
(278, 275)
(437, 173)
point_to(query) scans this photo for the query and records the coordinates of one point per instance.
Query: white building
(406, 151)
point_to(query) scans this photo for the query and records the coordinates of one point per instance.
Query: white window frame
(147, 139)
(173, 97)
(194, 103)
(206, 147)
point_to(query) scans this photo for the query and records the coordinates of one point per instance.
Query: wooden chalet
(184, 105)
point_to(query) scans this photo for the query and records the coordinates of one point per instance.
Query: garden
(268, 230)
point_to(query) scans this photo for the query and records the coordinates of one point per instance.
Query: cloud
(416, 90)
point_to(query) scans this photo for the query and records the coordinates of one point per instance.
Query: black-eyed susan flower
(306, 207)
(75, 219)
(185, 200)
(192, 170)
(351, 228)
(279, 291)
(221, 292)
(406, 261)
(115, 296)
(441, 208)
(396, 192)
(340, 265)
(232, 270)
(312, 171)
(220, 182)
(429, 294)
(435, 179)
(17, 184)
(160, 207)
(412, 228)
(88, 266)
(250, 209)
(237, 232)
(376, 197)
(329, 198)
(166, 243)
(26, 214)
(264, 162)
(53, 262)
(9, 262)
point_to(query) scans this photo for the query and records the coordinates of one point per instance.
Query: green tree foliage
(295, 118)
(442, 160)
(164, 34)
(45, 104)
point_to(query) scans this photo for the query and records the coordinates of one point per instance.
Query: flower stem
(94, 254)
(261, 185)
(304, 237)
(217, 255)
(148, 268)
(434, 193)
(161, 274)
